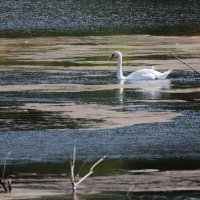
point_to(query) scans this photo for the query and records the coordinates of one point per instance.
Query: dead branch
(91, 170)
(184, 63)
(5, 162)
(72, 166)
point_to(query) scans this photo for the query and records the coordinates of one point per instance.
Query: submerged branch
(184, 63)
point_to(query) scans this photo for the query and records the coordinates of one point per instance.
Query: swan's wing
(143, 74)
(148, 74)
(164, 74)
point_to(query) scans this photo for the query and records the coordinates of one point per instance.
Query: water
(140, 146)
(105, 17)
(139, 142)
(61, 92)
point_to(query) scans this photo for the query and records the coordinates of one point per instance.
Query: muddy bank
(132, 182)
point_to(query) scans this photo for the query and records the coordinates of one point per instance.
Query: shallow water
(57, 93)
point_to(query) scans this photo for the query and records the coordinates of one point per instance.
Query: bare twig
(72, 166)
(184, 63)
(5, 162)
(91, 170)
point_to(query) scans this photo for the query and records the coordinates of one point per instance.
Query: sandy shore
(133, 181)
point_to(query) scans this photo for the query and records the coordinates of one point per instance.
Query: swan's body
(142, 74)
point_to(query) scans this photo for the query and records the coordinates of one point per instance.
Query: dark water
(67, 17)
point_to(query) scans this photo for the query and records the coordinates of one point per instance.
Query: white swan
(142, 74)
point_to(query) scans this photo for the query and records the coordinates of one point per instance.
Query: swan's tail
(165, 74)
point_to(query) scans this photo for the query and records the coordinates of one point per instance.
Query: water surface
(88, 17)
(61, 92)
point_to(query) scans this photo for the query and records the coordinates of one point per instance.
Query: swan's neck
(119, 68)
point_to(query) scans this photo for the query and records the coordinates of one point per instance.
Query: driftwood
(184, 63)
(74, 182)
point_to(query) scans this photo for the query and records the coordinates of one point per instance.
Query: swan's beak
(112, 57)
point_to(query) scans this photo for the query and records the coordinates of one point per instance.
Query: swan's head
(116, 54)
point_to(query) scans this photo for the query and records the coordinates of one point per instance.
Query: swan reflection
(151, 89)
